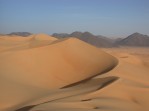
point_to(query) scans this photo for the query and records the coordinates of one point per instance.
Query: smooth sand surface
(41, 73)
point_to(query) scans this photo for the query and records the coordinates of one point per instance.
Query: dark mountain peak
(76, 34)
(60, 35)
(24, 34)
(136, 34)
(87, 34)
(81, 34)
(135, 39)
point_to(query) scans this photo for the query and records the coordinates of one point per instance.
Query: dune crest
(42, 63)
(44, 37)
(41, 73)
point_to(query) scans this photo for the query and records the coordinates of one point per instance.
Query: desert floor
(41, 73)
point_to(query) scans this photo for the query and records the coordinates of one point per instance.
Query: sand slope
(125, 88)
(41, 73)
(33, 67)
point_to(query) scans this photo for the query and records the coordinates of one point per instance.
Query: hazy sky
(104, 17)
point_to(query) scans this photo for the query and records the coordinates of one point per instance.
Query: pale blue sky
(105, 17)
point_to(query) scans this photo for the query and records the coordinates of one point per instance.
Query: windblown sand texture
(42, 73)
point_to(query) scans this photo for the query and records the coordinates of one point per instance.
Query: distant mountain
(24, 34)
(98, 41)
(78, 34)
(60, 35)
(135, 39)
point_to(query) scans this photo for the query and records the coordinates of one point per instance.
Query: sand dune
(41, 73)
(18, 42)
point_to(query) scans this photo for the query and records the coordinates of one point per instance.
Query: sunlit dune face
(59, 63)
(40, 72)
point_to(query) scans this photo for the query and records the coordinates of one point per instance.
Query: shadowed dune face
(71, 91)
(129, 92)
(39, 63)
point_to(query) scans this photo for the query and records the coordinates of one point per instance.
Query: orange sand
(41, 73)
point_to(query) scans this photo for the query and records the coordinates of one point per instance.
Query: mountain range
(99, 41)
(135, 39)
(24, 34)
